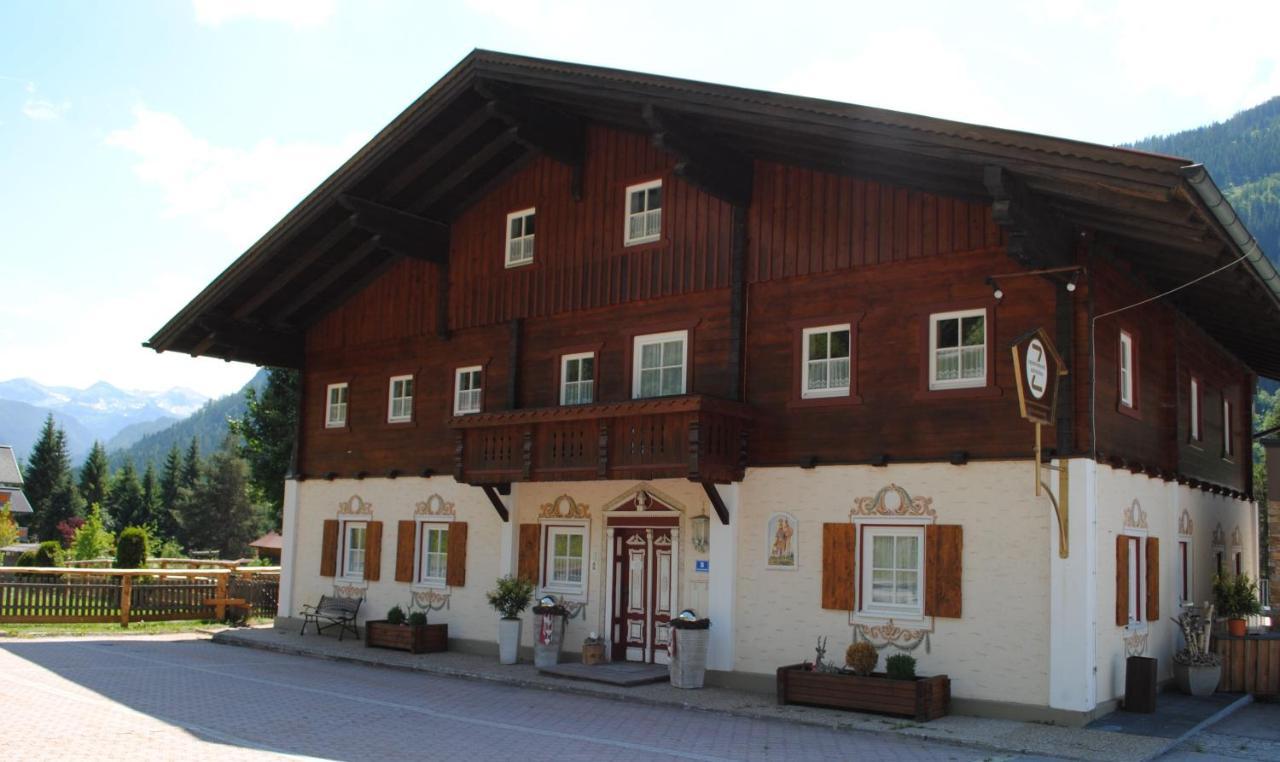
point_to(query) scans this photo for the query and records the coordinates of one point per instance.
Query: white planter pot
(1197, 681)
(688, 665)
(548, 640)
(508, 641)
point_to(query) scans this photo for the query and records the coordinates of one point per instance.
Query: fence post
(220, 610)
(126, 598)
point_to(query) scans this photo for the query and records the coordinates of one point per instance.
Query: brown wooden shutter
(329, 549)
(373, 551)
(1153, 579)
(456, 573)
(1122, 580)
(838, 546)
(530, 552)
(943, 570)
(406, 538)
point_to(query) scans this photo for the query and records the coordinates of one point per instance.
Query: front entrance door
(642, 570)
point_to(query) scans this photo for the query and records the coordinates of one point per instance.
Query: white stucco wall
(998, 650)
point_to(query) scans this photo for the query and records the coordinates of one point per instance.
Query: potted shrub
(689, 635)
(551, 617)
(898, 690)
(1236, 598)
(511, 596)
(411, 633)
(1196, 670)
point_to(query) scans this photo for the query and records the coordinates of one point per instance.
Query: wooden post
(126, 598)
(220, 609)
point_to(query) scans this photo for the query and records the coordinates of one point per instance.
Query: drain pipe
(1204, 186)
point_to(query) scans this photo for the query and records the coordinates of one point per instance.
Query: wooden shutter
(530, 552)
(838, 546)
(406, 543)
(456, 573)
(1122, 580)
(329, 549)
(1153, 579)
(943, 570)
(373, 551)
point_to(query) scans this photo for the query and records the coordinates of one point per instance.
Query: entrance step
(625, 674)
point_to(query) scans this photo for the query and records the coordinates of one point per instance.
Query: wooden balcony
(690, 437)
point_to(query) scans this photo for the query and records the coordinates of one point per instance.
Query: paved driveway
(178, 697)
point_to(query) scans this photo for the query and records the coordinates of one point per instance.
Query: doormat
(625, 674)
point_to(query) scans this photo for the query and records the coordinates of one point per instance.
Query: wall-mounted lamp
(1073, 281)
(700, 528)
(996, 291)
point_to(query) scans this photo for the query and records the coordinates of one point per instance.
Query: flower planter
(414, 638)
(549, 638)
(1197, 681)
(922, 699)
(688, 666)
(593, 653)
(1237, 628)
(508, 641)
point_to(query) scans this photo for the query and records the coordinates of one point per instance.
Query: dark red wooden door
(643, 568)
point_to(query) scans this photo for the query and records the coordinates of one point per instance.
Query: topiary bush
(861, 657)
(395, 615)
(49, 554)
(901, 667)
(131, 548)
(418, 618)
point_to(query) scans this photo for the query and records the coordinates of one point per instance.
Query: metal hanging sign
(1037, 369)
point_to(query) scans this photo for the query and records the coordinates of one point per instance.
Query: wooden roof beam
(294, 269)
(541, 127)
(1037, 236)
(402, 232)
(319, 285)
(703, 163)
(447, 143)
(473, 164)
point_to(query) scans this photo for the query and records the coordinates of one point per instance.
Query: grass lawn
(98, 630)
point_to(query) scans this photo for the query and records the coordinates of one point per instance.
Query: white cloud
(236, 192)
(296, 13)
(41, 110)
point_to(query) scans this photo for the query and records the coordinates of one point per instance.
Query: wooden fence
(72, 595)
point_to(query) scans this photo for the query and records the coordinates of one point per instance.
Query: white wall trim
(722, 593)
(288, 548)
(1072, 594)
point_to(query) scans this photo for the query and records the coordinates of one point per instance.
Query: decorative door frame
(636, 509)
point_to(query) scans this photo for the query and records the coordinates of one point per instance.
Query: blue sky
(145, 145)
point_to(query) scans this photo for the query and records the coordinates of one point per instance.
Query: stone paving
(1253, 733)
(181, 697)
(1003, 737)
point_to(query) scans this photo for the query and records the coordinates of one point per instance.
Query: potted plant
(1236, 597)
(1196, 670)
(550, 637)
(898, 690)
(689, 635)
(411, 633)
(511, 596)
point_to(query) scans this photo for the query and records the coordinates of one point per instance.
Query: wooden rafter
(404, 233)
(542, 128)
(1037, 237)
(717, 170)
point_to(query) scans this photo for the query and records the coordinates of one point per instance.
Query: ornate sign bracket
(1037, 369)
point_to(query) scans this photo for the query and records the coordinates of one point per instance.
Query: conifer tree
(219, 514)
(151, 495)
(170, 485)
(95, 475)
(190, 474)
(125, 499)
(267, 432)
(47, 482)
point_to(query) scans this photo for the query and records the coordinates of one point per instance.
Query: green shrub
(49, 554)
(511, 597)
(27, 558)
(418, 618)
(91, 541)
(131, 548)
(169, 548)
(901, 667)
(395, 615)
(1236, 596)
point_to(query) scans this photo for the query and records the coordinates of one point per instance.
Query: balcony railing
(694, 437)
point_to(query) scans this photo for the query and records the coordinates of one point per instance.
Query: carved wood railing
(694, 437)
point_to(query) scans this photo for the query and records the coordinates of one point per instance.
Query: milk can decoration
(689, 636)
(549, 639)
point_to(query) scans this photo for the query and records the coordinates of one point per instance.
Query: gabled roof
(493, 111)
(9, 473)
(14, 500)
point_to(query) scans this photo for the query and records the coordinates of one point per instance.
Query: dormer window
(520, 237)
(644, 212)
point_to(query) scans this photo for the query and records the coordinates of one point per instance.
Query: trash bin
(1140, 684)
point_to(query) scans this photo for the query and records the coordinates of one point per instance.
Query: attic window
(520, 237)
(644, 212)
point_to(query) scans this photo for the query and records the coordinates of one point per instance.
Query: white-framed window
(1126, 369)
(467, 390)
(565, 559)
(958, 349)
(433, 553)
(644, 212)
(659, 364)
(577, 378)
(1227, 450)
(828, 354)
(1239, 562)
(400, 399)
(1195, 409)
(1184, 571)
(1135, 578)
(354, 535)
(335, 412)
(893, 571)
(520, 237)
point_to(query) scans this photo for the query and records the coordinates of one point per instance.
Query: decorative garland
(429, 600)
(882, 636)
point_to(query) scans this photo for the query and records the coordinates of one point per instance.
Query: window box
(922, 699)
(414, 638)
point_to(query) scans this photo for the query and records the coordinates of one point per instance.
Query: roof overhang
(397, 195)
(14, 500)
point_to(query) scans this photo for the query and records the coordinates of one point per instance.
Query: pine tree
(151, 496)
(267, 432)
(170, 485)
(190, 474)
(94, 476)
(127, 508)
(47, 482)
(219, 514)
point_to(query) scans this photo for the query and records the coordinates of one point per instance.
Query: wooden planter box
(416, 639)
(922, 699)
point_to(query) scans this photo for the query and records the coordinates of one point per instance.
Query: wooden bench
(335, 610)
